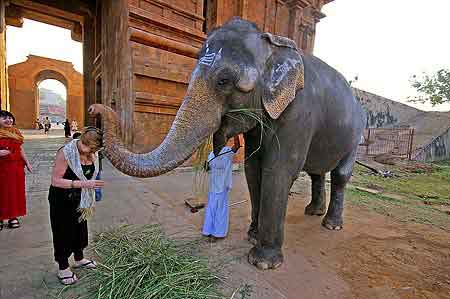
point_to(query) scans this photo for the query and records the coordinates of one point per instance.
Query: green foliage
(434, 89)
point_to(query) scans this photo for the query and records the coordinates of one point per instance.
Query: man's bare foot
(85, 263)
(66, 277)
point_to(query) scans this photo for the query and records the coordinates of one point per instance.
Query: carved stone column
(296, 9)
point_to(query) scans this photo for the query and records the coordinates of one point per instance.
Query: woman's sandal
(90, 264)
(13, 223)
(65, 280)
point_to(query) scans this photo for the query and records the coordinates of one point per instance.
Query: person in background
(67, 128)
(76, 135)
(74, 126)
(47, 125)
(220, 182)
(12, 175)
(72, 198)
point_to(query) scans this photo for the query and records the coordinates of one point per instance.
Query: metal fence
(397, 142)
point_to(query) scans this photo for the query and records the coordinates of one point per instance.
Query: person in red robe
(12, 175)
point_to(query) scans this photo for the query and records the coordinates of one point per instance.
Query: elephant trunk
(198, 117)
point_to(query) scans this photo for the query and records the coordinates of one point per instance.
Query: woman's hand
(28, 166)
(4, 153)
(93, 184)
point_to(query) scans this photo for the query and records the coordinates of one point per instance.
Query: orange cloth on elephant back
(12, 175)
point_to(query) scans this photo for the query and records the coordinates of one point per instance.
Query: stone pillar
(296, 9)
(88, 68)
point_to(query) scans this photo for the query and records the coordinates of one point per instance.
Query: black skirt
(69, 234)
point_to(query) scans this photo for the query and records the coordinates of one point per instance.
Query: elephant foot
(252, 236)
(265, 258)
(315, 210)
(333, 223)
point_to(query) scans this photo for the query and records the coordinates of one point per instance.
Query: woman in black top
(69, 228)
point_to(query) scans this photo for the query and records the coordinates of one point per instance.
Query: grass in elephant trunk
(200, 181)
(143, 263)
(257, 115)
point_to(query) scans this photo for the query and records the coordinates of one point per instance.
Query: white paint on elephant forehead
(210, 58)
(280, 72)
(282, 68)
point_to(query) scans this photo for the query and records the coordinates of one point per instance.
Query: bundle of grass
(200, 181)
(142, 263)
(244, 114)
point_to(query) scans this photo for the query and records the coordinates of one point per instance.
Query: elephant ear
(283, 76)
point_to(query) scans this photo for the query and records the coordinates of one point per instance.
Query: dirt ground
(373, 257)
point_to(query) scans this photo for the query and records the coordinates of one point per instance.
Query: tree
(434, 89)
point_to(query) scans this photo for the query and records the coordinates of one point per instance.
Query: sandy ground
(373, 257)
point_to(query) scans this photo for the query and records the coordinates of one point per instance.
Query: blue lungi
(220, 183)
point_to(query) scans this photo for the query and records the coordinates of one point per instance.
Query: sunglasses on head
(93, 129)
(96, 130)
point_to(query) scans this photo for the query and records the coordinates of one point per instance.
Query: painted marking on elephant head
(280, 72)
(210, 58)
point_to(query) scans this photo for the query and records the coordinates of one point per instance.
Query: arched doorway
(25, 79)
(52, 101)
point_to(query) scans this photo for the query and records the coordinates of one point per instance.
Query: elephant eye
(223, 81)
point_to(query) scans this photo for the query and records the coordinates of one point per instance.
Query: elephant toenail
(262, 266)
(329, 226)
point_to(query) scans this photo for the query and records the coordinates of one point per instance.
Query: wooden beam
(159, 21)
(243, 9)
(48, 10)
(160, 42)
(48, 19)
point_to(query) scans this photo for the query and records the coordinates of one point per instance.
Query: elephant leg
(318, 205)
(339, 178)
(253, 176)
(267, 254)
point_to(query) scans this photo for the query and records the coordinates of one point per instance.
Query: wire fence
(397, 142)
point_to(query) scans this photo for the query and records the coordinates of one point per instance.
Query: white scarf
(72, 156)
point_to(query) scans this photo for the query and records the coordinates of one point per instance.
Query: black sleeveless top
(71, 193)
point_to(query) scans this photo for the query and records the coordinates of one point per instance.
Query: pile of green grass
(142, 263)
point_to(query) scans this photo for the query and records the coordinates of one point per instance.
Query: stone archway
(24, 79)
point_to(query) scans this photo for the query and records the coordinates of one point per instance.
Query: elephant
(295, 113)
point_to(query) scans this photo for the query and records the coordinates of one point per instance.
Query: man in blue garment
(220, 182)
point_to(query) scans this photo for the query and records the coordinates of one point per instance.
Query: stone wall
(382, 112)
(437, 150)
